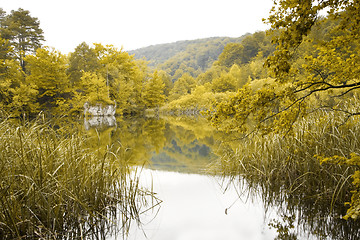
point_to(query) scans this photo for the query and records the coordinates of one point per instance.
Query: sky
(133, 24)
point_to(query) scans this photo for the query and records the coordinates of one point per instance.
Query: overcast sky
(133, 24)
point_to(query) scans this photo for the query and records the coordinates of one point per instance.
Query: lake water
(194, 207)
(174, 155)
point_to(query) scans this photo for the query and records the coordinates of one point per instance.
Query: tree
(92, 89)
(83, 59)
(243, 52)
(122, 75)
(5, 51)
(2, 16)
(231, 55)
(256, 67)
(167, 81)
(154, 91)
(182, 86)
(251, 48)
(212, 73)
(16, 95)
(23, 32)
(225, 83)
(47, 72)
(332, 68)
(236, 72)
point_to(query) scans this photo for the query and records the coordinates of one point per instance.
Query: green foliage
(123, 75)
(83, 59)
(167, 81)
(182, 86)
(201, 99)
(231, 55)
(315, 66)
(353, 160)
(200, 51)
(23, 32)
(192, 57)
(244, 51)
(48, 74)
(154, 95)
(225, 83)
(285, 171)
(306, 65)
(17, 95)
(93, 90)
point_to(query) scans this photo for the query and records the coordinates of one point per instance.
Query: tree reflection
(307, 196)
(181, 144)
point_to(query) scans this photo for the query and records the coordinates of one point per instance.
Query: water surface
(174, 156)
(194, 207)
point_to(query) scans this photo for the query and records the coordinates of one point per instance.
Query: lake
(174, 158)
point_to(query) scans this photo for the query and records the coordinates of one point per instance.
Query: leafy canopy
(305, 66)
(48, 77)
(22, 31)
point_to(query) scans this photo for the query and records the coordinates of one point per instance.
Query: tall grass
(285, 171)
(53, 186)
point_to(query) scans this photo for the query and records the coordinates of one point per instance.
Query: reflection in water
(308, 197)
(194, 206)
(99, 121)
(57, 184)
(178, 154)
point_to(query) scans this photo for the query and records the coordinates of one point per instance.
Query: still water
(173, 156)
(194, 207)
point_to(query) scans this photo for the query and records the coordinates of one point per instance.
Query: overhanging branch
(301, 99)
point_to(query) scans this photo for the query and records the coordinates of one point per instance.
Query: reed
(53, 186)
(286, 173)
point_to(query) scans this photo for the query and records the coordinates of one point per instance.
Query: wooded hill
(193, 56)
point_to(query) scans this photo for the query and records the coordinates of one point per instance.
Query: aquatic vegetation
(353, 160)
(286, 172)
(53, 186)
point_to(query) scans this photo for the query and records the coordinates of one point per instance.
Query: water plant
(286, 172)
(53, 186)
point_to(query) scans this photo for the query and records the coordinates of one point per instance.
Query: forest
(191, 56)
(290, 93)
(38, 78)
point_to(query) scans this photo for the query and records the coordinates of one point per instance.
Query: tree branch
(329, 86)
(347, 91)
(301, 99)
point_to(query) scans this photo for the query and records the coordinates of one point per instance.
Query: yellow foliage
(154, 95)
(48, 77)
(225, 83)
(93, 90)
(354, 160)
(200, 99)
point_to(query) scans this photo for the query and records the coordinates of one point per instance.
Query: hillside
(197, 54)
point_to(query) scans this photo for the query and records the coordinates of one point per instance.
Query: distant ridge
(198, 54)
